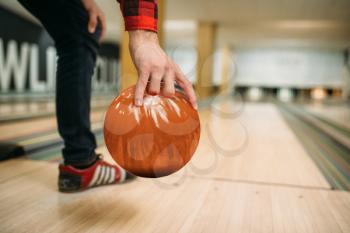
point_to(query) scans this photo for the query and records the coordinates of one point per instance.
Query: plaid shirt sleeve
(139, 14)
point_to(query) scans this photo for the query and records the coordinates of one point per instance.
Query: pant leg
(73, 87)
(66, 21)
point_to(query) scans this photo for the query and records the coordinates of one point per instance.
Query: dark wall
(21, 31)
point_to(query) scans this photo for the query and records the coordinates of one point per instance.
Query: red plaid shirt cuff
(140, 14)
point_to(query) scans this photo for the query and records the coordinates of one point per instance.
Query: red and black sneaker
(100, 173)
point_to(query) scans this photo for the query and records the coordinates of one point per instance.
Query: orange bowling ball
(154, 140)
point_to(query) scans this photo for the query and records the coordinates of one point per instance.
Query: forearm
(136, 36)
(151, 62)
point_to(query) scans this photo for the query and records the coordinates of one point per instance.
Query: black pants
(66, 21)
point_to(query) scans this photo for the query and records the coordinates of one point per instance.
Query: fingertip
(139, 93)
(138, 102)
(92, 29)
(195, 105)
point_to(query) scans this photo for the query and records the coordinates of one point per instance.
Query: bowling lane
(252, 145)
(30, 108)
(21, 108)
(338, 113)
(255, 145)
(10, 131)
(196, 204)
(39, 137)
(246, 190)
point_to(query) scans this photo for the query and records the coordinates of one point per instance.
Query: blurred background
(293, 55)
(273, 82)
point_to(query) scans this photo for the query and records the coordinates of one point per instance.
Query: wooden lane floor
(255, 146)
(327, 143)
(39, 137)
(31, 203)
(271, 185)
(12, 110)
(14, 130)
(338, 113)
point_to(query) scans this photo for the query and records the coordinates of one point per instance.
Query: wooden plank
(272, 154)
(18, 129)
(196, 205)
(339, 113)
(17, 167)
(271, 186)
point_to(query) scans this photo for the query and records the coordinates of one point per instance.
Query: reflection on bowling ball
(153, 140)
